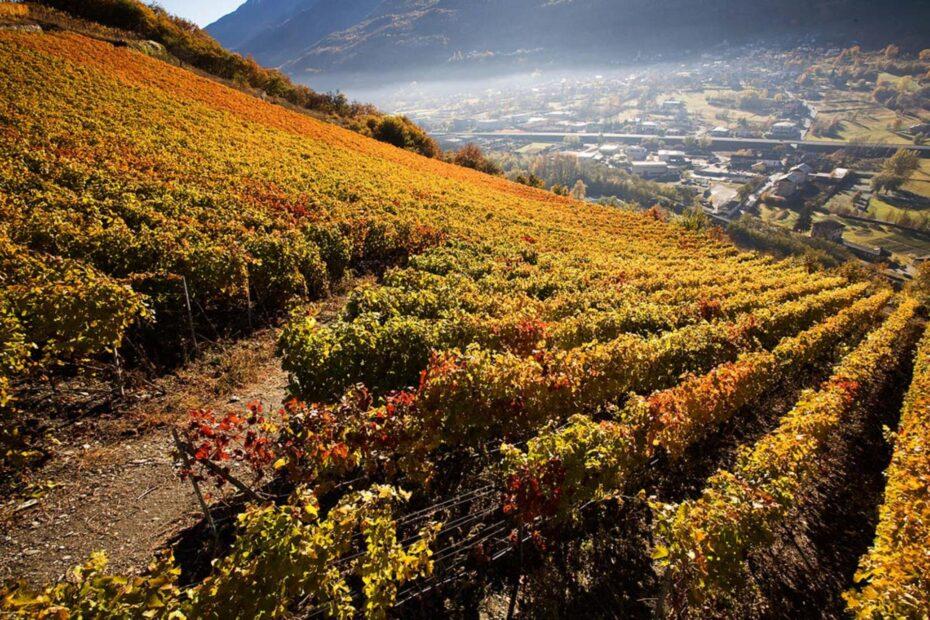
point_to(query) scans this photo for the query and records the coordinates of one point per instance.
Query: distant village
(743, 130)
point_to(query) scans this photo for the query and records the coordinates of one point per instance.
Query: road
(717, 144)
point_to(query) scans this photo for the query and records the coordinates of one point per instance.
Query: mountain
(378, 38)
(253, 16)
(271, 30)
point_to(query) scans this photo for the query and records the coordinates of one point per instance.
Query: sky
(201, 12)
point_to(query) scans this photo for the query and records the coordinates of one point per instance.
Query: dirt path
(113, 487)
(110, 485)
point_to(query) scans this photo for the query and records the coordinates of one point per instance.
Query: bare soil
(110, 486)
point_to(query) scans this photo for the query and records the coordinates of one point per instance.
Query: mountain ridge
(410, 36)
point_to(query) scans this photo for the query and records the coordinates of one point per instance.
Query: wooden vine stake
(248, 298)
(516, 582)
(119, 372)
(185, 460)
(190, 314)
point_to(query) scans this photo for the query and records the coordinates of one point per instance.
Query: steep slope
(499, 314)
(128, 185)
(272, 36)
(253, 16)
(178, 176)
(131, 22)
(406, 36)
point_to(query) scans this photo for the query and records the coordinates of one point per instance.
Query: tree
(471, 156)
(903, 163)
(896, 170)
(919, 287)
(389, 129)
(559, 190)
(579, 190)
(527, 178)
(805, 219)
(402, 133)
(884, 181)
(694, 218)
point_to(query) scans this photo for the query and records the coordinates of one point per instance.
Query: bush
(334, 248)
(471, 156)
(286, 266)
(402, 133)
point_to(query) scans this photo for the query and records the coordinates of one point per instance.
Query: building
(721, 199)
(872, 254)
(804, 170)
(636, 153)
(672, 106)
(831, 230)
(785, 130)
(838, 177)
(672, 157)
(747, 158)
(649, 169)
(720, 132)
(792, 182)
(537, 122)
(784, 186)
(574, 126)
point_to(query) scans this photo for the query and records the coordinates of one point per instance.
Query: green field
(862, 119)
(534, 148)
(868, 125)
(897, 80)
(920, 182)
(780, 217)
(903, 245)
(882, 210)
(699, 107)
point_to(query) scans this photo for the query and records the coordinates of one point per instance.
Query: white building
(722, 199)
(649, 169)
(789, 184)
(672, 157)
(785, 130)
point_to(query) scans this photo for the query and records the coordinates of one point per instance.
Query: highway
(717, 144)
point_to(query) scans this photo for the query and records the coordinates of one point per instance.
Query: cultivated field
(574, 405)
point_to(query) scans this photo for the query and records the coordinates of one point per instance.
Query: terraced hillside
(529, 403)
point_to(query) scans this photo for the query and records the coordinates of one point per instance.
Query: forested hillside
(565, 408)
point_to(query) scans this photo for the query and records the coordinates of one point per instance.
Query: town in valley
(797, 139)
